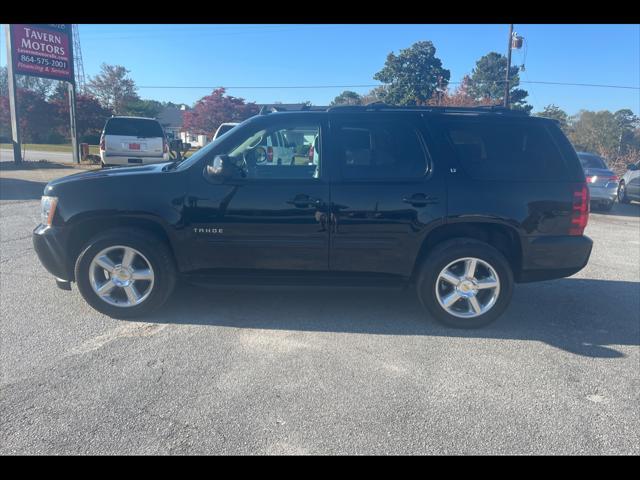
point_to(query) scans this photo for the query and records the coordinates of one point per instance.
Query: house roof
(171, 117)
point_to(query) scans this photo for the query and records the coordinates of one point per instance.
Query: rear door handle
(304, 201)
(420, 200)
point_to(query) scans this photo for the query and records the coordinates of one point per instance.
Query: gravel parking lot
(326, 371)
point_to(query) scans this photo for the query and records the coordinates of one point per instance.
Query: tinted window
(505, 150)
(591, 161)
(380, 151)
(133, 127)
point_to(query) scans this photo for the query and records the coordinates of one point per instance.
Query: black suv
(458, 202)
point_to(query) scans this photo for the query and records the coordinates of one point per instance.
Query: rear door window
(133, 127)
(380, 150)
(505, 150)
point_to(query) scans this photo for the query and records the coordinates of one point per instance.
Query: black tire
(622, 193)
(156, 252)
(449, 251)
(607, 206)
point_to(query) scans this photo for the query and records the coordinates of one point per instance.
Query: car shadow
(582, 316)
(16, 189)
(620, 210)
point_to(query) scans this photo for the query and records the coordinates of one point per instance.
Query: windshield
(591, 161)
(133, 127)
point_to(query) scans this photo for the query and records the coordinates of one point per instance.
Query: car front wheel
(465, 283)
(622, 193)
(125, 273)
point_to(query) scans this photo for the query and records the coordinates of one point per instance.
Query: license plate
(134, 160)
(134, 146)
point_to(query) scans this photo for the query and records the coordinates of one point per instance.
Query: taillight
(165, 146)
(580, 210)
(311, 154)
(615, 178)
(102, 144)
(591, 178)
(270, 154)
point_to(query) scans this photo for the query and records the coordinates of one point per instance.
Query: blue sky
(285, 55)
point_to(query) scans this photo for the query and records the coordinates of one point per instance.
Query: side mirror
(175, 145)
(220, 167)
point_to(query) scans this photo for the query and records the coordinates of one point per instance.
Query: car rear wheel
(465, 283)
(125, 273)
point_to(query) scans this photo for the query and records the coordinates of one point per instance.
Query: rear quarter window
(133, 127)
(505, 149)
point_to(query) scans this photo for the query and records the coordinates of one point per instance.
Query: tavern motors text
(31, 42)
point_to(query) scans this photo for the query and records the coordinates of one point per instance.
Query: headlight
(47, 209)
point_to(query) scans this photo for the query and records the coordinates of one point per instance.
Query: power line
(375, 85)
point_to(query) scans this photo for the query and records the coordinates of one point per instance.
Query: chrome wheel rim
(121, 276)
(467, 287)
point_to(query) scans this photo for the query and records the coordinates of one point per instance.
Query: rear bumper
(50, 246)
(132, 159)
(603, 194)
(549, 257)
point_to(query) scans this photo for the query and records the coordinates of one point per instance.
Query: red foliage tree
(38, 118)
(210, 111)
(90, 116)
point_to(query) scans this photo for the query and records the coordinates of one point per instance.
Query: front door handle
(419, 200)
(304, 201)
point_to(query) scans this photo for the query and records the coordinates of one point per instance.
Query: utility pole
(13, 101)
(506, 87)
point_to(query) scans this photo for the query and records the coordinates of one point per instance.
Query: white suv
(133, 141)
(279, 151)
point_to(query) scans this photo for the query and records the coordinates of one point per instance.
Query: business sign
(43, 50)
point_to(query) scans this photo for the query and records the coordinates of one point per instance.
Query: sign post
(13, 102)
(72, 119)
(41, 50)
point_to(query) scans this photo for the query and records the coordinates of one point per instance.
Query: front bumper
(50, 246)
(549, 257)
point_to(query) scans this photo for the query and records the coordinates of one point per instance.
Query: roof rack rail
(427, 108)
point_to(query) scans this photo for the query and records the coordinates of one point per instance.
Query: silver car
(629, 188)
(602, 182)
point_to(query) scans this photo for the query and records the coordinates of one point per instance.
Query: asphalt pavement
(318, 371)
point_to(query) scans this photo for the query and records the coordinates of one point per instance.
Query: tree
(488, 81)
(38, 118)
(210, 111)
(144, 108)
(347, 97)
(596, 132)
(113, 88)
(556, 113)
(4, 81)
(459, 97)
(413, 76)
(41, 86)
(629, 125)
(375, 95)
(90, 117)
